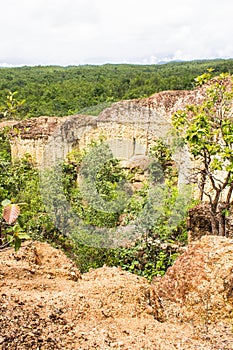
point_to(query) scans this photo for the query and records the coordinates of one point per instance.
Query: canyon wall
(129, 127)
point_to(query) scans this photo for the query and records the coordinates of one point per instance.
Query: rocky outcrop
(199, 286)
(8, 124)
(138, 120)
(129, 126)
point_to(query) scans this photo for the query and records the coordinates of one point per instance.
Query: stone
(199, 286)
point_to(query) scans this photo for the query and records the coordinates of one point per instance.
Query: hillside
(59, 91)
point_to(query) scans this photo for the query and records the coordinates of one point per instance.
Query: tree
(12, 106)
(207, 129)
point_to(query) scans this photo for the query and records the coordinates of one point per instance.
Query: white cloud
(98, 31)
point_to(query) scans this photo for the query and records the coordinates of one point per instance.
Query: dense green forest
(59, 91)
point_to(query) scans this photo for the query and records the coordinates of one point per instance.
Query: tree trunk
(221, 221)
(214, 217)
(214, 223)
(229, 194)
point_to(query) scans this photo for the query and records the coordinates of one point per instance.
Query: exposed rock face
(8, 124)
(36, 128)
(31, 136)
(129, 127)
(199, 286)
(139, 121)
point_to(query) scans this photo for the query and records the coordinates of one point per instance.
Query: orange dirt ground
(46, 304)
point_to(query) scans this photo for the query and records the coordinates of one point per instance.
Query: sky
(74, 32)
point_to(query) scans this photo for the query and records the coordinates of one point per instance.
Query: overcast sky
(67, 32)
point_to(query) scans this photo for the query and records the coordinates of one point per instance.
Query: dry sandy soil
(46, 304)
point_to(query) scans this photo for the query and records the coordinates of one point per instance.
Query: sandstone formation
(199, 286)
(135, 124)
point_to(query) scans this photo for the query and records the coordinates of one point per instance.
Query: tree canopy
(207, 129)
(59, 91)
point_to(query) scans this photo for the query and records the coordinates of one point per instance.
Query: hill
(59, 91)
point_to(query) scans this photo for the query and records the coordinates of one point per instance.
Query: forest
(88, 89)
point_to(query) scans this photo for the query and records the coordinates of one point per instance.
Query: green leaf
(6, 202)
(23, 236)
(17, 243)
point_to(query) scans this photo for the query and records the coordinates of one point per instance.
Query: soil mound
(36, 259)
(46, 304)
(199, 286)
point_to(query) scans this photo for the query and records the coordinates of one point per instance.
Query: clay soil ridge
(45, 303)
